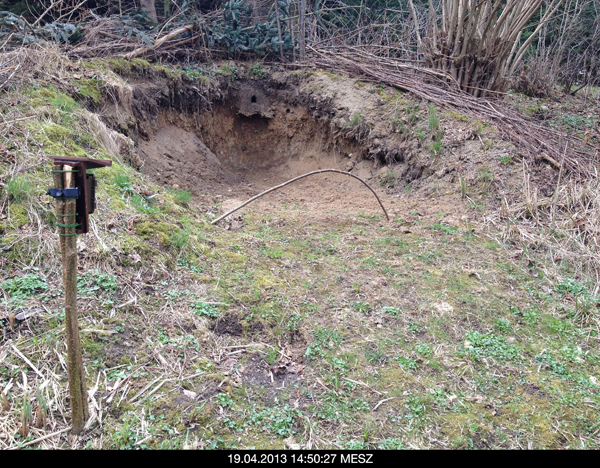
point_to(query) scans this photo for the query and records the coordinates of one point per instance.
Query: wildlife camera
(84, 190)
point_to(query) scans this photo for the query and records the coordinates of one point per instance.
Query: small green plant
(273, 253)
(529, 315)
(503, 325)
(585, 303)
(185, 263)
(399, 126)
(363, 307)
(204, 309)
(272, 354)
(125, 437)
(173, 295)
(463, 186)
(356, 120)
(412, 113)
(26, 286)
(433, 119)
(231, 72)
(389, 179)
(374, 355)
(478, 130)
(92, 282)
(391, 310)
(444, 228)
(258, 71)
(423, 349)
(180, 238)
(486, 176)
(183, 196)
(293, 322)
(553, 365)
(18, 188)
(505, 160)
(324, 338)
(123, 182)
(420, 133)
(479, 345)
(64, 103)
(277, 420)
(407, 363)
(193, 74)
(224, 400)
(336, 407)
(416, 406)
(390, 444)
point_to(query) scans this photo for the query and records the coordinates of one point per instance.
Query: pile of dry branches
(530, 138)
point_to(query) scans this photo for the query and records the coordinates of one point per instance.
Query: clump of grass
(463, 186)
(363, 307)
(123, 182)
(389, 179)
(18, 188)
(183, 196)
(433, 119)
(356, 120)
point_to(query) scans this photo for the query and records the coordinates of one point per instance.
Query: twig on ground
(298, 178)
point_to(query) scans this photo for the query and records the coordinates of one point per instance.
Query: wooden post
(302, 26)
(65, 211)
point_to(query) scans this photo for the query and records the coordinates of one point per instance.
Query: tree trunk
(149, 7)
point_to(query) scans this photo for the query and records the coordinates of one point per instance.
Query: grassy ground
(353, 334)
(342, 331)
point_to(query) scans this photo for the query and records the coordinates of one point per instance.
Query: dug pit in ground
(236, 137)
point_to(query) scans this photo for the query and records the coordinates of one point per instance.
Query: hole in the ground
(236, 149)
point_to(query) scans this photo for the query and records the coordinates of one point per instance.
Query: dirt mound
(175, 156)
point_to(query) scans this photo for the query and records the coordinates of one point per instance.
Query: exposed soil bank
(233, 137)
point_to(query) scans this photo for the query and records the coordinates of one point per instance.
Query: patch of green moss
(169, 72)
(456, 116)
(56, 132)
(94, 65)
(394, 97)
(116, 204)
(17, 217)
(133, 245)
(233, 257)
(160, 231)
(265, 280)
(331, 75)
(90, 89)
(92, 349)
(58, 149)
(124, 66)
(44, 96)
